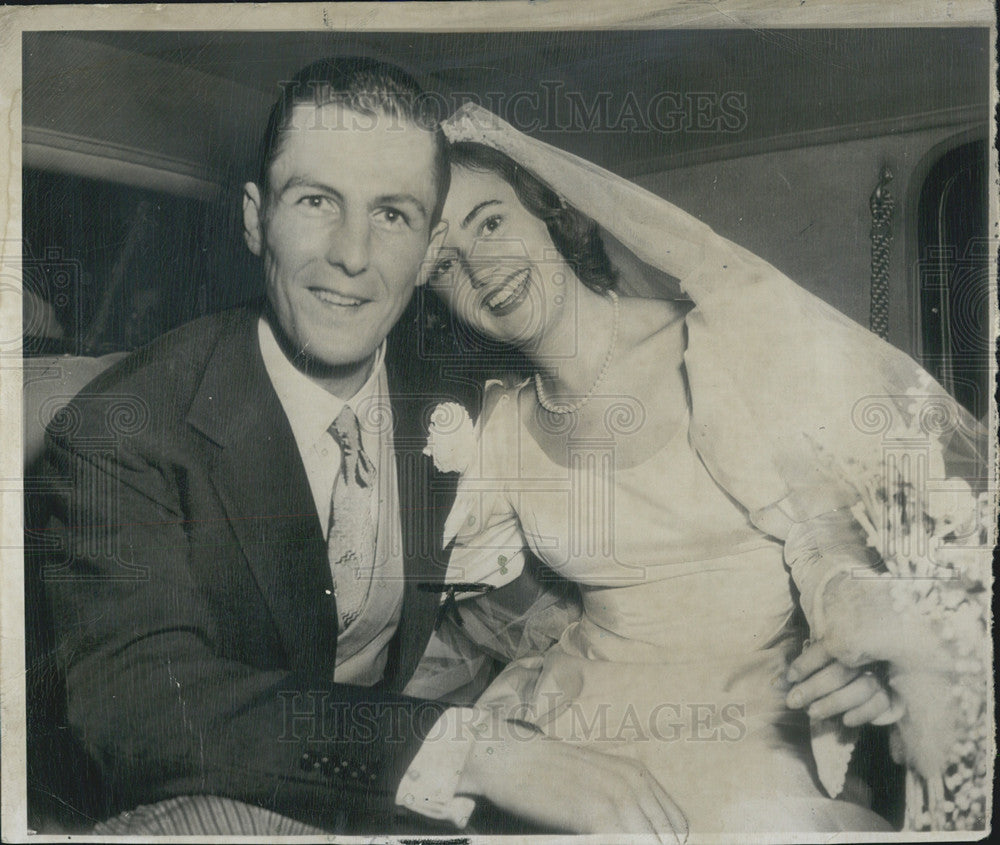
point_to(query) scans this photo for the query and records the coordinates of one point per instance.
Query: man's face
(342, 231)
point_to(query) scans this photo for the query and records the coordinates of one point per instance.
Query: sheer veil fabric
(747, 319)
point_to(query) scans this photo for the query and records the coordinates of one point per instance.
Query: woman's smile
(512, 291)
(496, 267)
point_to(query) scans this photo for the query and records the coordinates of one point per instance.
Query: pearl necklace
(573, 407)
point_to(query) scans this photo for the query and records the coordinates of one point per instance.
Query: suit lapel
(262, 483)
(425, 499)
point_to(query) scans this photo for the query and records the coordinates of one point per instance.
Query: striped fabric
(202, 815)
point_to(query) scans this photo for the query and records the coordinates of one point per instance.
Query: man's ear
(433, 248)
(253, 217)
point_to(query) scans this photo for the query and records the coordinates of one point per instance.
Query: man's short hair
(367, 86)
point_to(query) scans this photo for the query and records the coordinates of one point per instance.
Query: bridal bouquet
(922, 539)
(932, 541)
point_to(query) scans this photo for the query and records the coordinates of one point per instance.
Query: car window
(108, 267)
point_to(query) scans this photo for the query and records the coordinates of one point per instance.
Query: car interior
(853, 160)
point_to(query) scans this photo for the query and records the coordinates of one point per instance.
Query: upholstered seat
(49, 383)
(62, 793)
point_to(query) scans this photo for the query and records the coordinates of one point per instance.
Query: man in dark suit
(246, 525)
(195, 607)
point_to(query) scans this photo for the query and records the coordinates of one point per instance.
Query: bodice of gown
(671, 568)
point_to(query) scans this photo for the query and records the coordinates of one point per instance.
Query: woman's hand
(827, 687)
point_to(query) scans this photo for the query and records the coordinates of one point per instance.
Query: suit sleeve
(149, 691)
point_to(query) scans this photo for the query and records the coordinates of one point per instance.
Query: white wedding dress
(685, 636)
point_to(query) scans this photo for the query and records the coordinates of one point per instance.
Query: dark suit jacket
(191, 593)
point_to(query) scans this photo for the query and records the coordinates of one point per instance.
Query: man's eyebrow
(302, 182)
(468, 217)
(400, 199)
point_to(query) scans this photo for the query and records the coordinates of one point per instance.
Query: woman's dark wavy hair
(574, 234)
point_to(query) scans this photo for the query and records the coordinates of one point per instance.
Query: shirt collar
(310, 409)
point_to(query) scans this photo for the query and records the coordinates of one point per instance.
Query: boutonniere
(452, 439)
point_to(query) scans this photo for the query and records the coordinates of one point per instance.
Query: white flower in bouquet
(953, 508)
(452, 440)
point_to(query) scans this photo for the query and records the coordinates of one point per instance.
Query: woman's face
(498, 268)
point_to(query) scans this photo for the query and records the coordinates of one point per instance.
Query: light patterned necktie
(351, 537)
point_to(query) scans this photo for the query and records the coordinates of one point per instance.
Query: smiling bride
(700, 468)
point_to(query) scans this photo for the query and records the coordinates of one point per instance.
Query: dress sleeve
(832, 565)
(487, 546)
(527, 608)
(860, 615)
